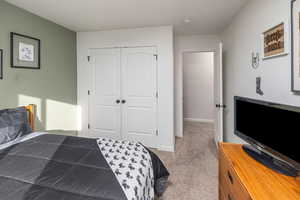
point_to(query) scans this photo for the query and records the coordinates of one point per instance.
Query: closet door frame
(90, 58)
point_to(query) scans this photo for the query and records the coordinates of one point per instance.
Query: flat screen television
(273, 132)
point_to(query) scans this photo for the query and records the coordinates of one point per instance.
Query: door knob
(123, 101)
(118, 101)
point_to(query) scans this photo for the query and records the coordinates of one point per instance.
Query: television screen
(274, 127)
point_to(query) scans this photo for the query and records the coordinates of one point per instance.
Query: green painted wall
(53, 87)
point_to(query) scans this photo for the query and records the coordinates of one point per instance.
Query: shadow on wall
(55, 99)
(51, 115)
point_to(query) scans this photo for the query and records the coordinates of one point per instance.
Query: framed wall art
(1, 64)
(25, 51)
(295, 21)
(275, 41)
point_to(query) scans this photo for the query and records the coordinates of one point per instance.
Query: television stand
(243, 178)
(269, 161)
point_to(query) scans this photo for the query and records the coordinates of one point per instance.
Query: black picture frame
(12, 51)
(1, 64)
(293, 87)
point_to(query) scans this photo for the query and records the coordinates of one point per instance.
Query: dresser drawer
(226, 191)
(225, 194)
(221, 194)
(229, 181)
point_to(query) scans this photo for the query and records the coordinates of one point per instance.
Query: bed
(41, 166)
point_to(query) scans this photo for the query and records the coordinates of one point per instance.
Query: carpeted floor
(193, 167)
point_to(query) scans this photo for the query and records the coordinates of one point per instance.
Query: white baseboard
(199, 120)
(166, 148)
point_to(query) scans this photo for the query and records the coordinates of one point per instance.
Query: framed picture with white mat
(25, 51)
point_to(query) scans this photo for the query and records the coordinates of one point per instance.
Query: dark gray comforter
(52, 167)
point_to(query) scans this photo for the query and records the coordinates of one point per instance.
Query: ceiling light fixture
(187, 21)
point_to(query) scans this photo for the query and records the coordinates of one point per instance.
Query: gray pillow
(13, 124)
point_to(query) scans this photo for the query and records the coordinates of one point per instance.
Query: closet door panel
(139, 87)
(141, 120)
(139, 73)
(105, 112)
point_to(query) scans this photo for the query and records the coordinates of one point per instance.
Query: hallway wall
(198, 72)
(241, 38)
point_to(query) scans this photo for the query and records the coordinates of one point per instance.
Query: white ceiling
(207, 16)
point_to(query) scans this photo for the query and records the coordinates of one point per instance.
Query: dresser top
(261, 182)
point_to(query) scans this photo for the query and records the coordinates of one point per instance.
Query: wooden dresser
(242, 178)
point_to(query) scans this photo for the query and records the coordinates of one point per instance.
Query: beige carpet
(193, 167)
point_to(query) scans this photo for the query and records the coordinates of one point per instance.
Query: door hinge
(89, 92)
(89, 58)
(156, 132)
(156, 56)
(89, 126)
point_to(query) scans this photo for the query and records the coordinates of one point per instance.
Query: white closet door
(139, 87)
(105, 111)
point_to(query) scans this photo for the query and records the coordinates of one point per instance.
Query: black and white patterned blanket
(132, 165)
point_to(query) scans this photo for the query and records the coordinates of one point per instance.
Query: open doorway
(198, 92)
(218, 104)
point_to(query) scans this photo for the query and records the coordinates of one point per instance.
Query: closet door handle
(118, 101)
(123, 101)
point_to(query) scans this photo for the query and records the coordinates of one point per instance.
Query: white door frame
(179, 92)
(219, 102)
(164, 42)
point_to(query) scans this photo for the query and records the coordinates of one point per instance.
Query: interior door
(218, 94)
(139, 95)
(105, 102)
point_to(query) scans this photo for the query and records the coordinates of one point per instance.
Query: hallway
(193, 167)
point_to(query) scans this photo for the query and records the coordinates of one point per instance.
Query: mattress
(47, 167)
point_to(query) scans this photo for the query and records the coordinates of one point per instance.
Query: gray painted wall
(198, 86)
(53, 88)
(241, 38)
